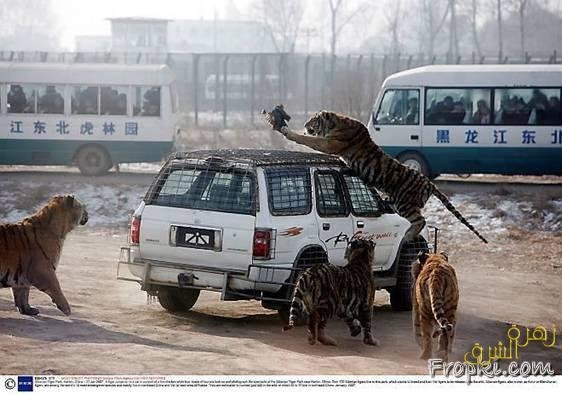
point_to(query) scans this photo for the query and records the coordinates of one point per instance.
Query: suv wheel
(401, 293)
(177, 300)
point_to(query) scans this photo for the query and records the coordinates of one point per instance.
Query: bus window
(85, 100)
(527, 106)
(146, 101)
(446, 106)
(51, 99)
(399, 107)
(113, 100)
(21, 99)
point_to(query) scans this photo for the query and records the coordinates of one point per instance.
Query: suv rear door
(387, 229)
(335, 225)
(200, 215)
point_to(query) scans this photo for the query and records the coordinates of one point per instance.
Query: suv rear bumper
(232, 284)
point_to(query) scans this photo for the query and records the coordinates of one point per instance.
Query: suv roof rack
(257, 157)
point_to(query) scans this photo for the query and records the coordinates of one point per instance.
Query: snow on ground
(495, 213)
(109, 205)
(112, 205)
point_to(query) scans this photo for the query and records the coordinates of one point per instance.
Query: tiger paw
(370, 340)
(355, 328)
(28, 310)
(326, 340)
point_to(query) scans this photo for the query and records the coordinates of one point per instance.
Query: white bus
(93, 115)
(464, 119)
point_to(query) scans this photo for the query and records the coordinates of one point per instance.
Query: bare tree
(453, 36)
(475, 40)
(500, 30)
(337, 9)
(283, 17)
(521, 6)
(28, 25)
(433, 19)
(393, 20)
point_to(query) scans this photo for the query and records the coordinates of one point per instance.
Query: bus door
(395, 124)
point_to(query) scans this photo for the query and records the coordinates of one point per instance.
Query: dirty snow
(109, 205)
(493, 213)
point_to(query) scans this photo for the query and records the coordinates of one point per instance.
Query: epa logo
(25, 383)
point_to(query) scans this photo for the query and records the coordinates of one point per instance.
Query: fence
(221, 90)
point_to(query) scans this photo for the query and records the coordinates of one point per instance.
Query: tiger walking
(348, 138)
(435, 298)
(325, 290)
(30, 251)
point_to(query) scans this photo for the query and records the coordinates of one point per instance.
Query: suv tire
(401, 293)
(177, 300)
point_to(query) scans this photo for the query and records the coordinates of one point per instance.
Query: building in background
(140, 35)
(222, 36)
(150, 35)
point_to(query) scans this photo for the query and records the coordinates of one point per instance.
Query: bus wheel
(93, 160)
(415, 161)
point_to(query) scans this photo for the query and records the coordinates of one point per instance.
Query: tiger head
(69, 210)
(332, 125)
(424, 257)
(360, 249)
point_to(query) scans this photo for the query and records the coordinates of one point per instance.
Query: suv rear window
(225, 190)
(289, 191)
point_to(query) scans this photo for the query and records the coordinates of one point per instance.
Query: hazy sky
(79, 17)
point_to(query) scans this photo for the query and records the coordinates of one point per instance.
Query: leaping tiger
(348, 138)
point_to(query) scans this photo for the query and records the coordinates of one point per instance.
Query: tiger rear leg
(417, 222)
(416, 321)
(322, 337)
(352, 323)
(21, 299)
(46, 281)
(312, 328)
(426, 339)
(365, 316)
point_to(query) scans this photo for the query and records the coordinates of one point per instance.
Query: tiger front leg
(317, 143)
(21, 299)
(46, 281)
(322, 337)
(365, 316)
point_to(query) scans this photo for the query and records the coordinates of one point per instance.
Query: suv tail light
(135, 229)
(262, 243)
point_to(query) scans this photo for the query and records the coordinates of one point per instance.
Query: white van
(244, 222)
(464, 119)
(94, 115)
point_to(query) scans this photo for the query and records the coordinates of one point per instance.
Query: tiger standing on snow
(435, 299)
(348, 138)
(30, 251)
(325, 290)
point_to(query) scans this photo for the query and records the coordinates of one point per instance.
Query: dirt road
(114, 331)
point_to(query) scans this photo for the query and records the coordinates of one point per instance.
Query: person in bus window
(482, 114)
(51, 102)
(412, 115)
(17, 101)
(151, 105)
(552, 116)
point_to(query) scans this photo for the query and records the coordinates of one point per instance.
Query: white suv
(244, 222)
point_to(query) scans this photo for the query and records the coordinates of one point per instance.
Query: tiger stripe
(30, 249)
(325, 290)
(407, 188)
(435, 300)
